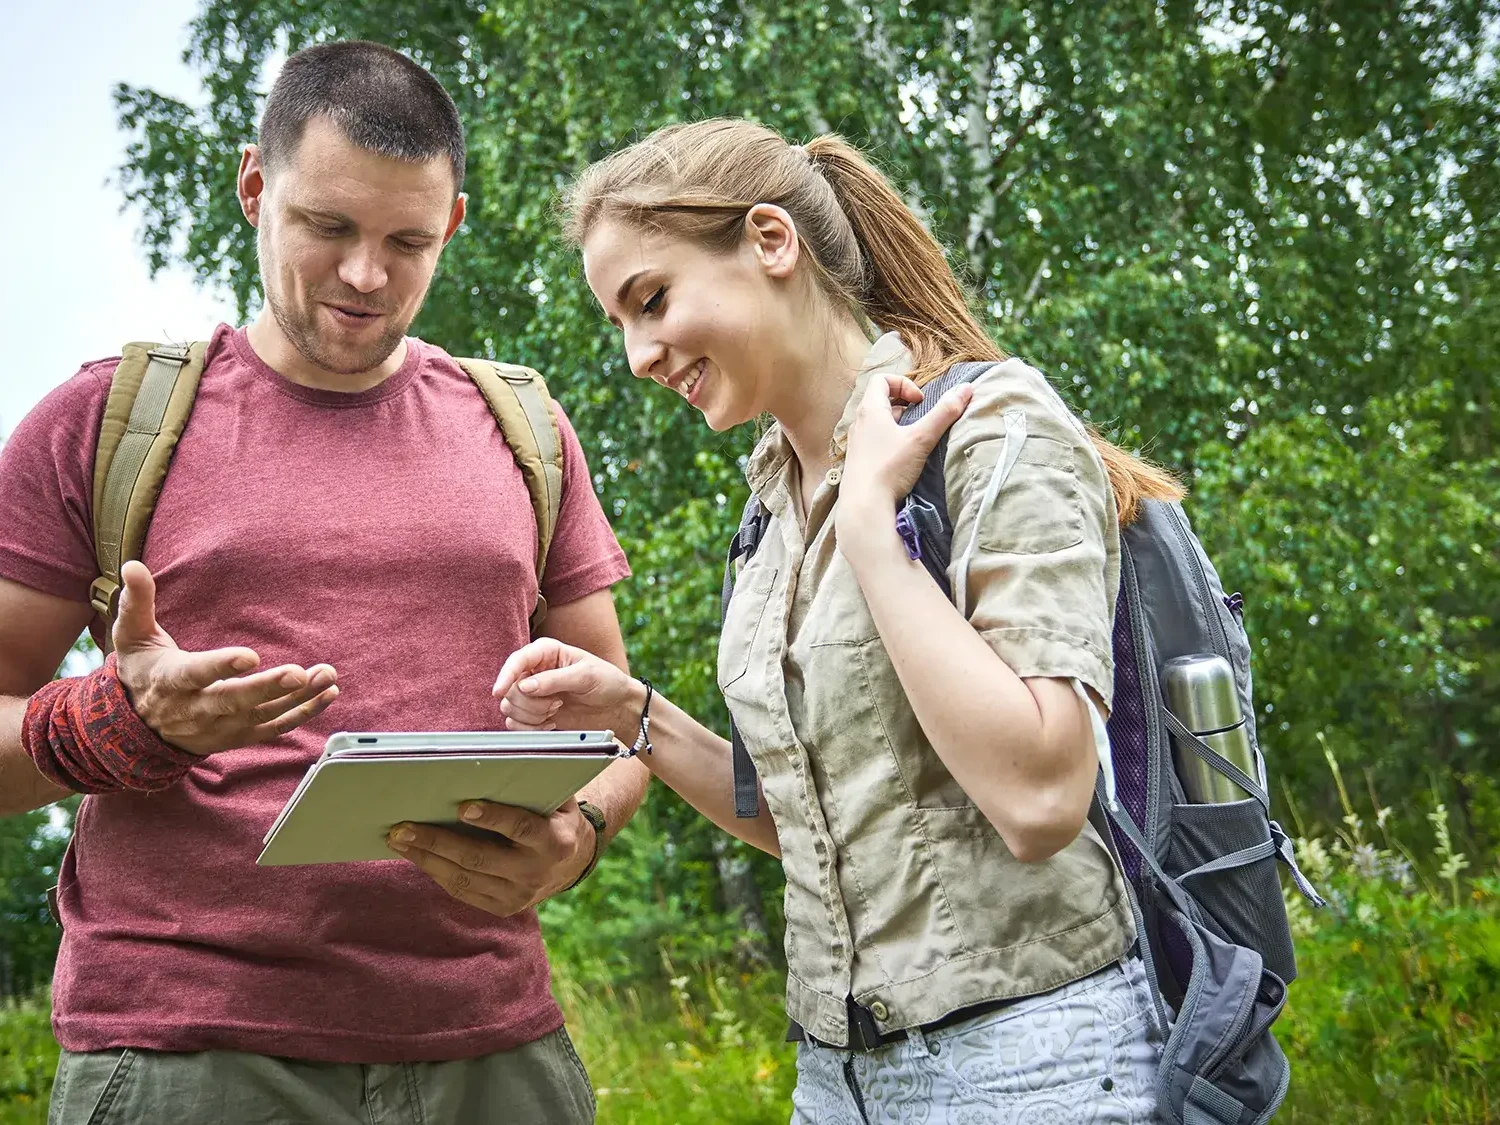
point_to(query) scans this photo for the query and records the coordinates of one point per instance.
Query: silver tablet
(365, 783)
(479, 741)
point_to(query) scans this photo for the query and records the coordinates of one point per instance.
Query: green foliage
(709, 1047)
(648, 903)
(1256, 238)
(1396, 1015)
(28, 1060)
(1376, 545)
(31, 848)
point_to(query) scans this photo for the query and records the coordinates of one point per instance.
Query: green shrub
(28, 1059)
(1396, 1013)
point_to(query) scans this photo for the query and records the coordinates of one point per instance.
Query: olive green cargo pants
(541, 1082)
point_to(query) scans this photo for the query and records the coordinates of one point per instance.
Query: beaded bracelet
(643, 740)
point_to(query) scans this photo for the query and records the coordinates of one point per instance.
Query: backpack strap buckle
(104, 596)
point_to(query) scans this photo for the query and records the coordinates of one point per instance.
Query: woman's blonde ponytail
(908, 286)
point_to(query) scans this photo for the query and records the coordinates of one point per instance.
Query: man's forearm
(617, 792)
(22, 785)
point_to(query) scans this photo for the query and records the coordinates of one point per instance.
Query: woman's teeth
(692, 380)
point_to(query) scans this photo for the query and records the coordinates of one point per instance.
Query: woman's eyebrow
(629, 283)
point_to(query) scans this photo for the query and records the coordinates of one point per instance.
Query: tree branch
(978, 136)
(1031, 290)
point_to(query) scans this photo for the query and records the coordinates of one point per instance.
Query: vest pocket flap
(742, 621)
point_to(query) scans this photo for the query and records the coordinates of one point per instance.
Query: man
(344, 541)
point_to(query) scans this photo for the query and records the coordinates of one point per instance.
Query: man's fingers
(247, 693)
(493, 896)
(493, 858)
(282, 701)
(521, 827)
(294, 718)
(195, 671)
(135, 622)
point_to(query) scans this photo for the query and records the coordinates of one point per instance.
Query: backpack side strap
(518, 398)
(150, 398)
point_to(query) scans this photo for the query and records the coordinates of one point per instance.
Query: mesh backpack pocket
(1225, 858)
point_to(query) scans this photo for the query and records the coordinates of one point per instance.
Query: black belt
(865, 1035)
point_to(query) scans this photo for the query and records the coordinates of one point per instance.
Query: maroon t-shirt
(388, 533)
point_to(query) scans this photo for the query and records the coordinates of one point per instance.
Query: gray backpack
(1202, 878)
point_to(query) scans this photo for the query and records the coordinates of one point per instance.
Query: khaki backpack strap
(150, 398)
(518, 398)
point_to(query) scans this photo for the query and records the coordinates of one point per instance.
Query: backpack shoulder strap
(150, 398)
(923, 520)
(752, 527)
(518, 398)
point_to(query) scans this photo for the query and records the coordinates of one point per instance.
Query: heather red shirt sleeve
(46, 488)
(585, 555)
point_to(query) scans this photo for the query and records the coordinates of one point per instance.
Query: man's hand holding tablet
(490, 815)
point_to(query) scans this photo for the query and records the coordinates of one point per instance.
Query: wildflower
(1313, 858)
(1366, 861)
(1399, 871)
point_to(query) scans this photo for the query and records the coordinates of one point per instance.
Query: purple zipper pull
(908, 532)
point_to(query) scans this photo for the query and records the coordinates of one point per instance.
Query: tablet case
(346, 803)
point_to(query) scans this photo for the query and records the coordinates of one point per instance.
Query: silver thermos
(1201, 692)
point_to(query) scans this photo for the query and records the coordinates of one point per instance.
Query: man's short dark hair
(378, 98)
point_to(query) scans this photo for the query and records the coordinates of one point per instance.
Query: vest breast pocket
(1038, 510)
(744, 621)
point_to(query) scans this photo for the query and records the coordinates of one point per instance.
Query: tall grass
(708, 1046)
(1396, 1015)
(28, 1058)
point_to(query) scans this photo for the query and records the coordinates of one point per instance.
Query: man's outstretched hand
(204, 701)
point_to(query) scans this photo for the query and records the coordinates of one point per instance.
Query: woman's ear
(771, 237)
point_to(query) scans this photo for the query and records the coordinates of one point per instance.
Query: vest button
(880, 1011)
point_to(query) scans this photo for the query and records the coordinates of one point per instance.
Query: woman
(958, 940)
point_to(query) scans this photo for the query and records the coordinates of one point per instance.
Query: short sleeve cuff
(43, 575)
(1032, 653)
(586, 580)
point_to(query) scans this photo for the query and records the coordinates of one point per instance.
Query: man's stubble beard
(301, 330)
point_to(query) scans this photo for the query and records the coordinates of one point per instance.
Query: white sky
(76, 286)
